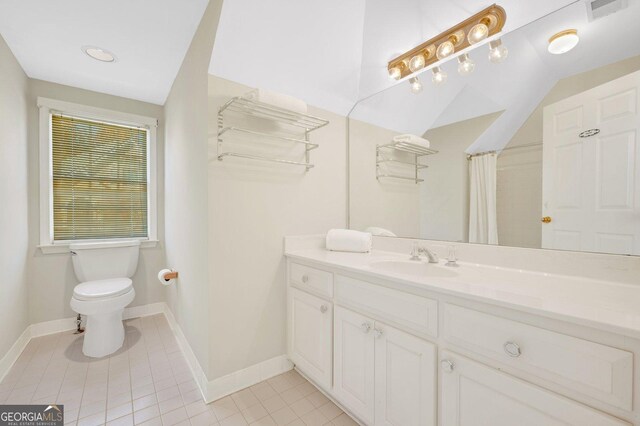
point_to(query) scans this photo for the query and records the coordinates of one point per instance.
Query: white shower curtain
(483, 221)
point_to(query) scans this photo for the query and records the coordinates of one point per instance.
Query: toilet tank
(103, 260)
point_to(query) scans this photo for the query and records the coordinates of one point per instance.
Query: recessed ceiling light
(99, 54)
(563, 41)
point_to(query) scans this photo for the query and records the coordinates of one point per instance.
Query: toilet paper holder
(170, 275)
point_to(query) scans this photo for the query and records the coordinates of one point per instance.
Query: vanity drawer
(312, 279)
(415, 313)
(589, 368)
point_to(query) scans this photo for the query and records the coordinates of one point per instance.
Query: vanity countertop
(605, 305)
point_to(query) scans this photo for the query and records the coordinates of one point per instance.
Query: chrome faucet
(416, 251)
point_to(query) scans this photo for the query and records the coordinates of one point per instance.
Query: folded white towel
(380, 232)
(417, 140)
(348, 240)
(277, 99)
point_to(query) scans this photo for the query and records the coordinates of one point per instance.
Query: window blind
(99, 179)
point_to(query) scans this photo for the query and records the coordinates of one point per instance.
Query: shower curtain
(483, 221)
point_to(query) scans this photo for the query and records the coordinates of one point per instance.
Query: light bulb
(439, 76)
(478, 33)
(417, 62)
(465, 65)
(497, 51)
(416, 86)
(445, 49)
(395, 73)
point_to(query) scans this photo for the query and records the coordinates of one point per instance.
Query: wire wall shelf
(414, 152)
(293, 128)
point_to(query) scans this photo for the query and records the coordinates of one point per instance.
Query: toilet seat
(102, 289)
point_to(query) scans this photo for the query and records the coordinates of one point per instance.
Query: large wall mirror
(540, 150)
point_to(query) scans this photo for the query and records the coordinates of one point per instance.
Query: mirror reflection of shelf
(291, 128)
(415, 151)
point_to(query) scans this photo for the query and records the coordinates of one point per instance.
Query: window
(100, 177)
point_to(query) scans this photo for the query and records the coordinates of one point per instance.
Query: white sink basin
(411, 267)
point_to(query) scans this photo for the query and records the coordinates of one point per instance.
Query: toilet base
(104, 330)
(103, 334)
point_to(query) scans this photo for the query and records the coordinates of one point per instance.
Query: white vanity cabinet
(393, 356)
(311, 335)
(385, 376)
(476, 395)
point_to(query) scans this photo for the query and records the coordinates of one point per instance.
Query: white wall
(252, 206)
(444, 196)
(51, 276)
(186, 188)
(14, 228)
(519, 196)
(389, 203)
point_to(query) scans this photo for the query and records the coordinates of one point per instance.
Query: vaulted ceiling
(332, 53)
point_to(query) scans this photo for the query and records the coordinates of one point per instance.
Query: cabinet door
(405, 379)
(311, 336)
(476, 395)
(354, 348)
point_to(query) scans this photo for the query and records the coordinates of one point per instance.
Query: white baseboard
(196, 369)
(14, 352)
(210, 390)
(249, 376)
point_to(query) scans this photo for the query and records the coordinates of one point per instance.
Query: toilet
(104, 270)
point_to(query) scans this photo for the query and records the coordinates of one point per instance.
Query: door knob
(546, 219)
(366, 327)
(323, 308)
(377, 332)
(447, 365)
(512, 349)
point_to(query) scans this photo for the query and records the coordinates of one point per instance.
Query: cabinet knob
(378, 333)
(366, 327)
(512, 349)
(323, 308)
(447, 365)
(305, 278)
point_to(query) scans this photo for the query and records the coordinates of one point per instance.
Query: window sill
(64, 247)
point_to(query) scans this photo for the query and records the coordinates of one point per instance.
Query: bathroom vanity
(400, 342)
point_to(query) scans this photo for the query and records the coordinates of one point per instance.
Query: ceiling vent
(596, 9)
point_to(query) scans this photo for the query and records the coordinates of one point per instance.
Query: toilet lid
(99, 289)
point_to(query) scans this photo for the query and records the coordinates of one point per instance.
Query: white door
(311, 336)
(405, 379)
(476, 395)
(354, 363)
(591, 184)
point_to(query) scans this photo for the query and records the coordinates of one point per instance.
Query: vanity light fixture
(99, 54)
(416, 86)
(439, 77)
(465, 65)
(563, 41)
(478, 27)
(497, 51)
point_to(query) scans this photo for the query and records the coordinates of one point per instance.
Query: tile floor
(148, 382)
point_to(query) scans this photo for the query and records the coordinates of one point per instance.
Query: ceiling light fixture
(497, 51)
(416, 86)
(99, 54)
(563, 41)
(465, 65)
(439, 77)
(478, 27)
